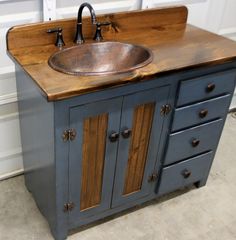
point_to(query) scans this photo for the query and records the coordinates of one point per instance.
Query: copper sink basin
(100, 58)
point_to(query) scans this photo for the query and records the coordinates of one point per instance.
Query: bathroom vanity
(96, 145)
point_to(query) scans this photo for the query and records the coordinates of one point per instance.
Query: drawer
(201, 112)
(206, 87)
(193, 141)
(185, 173)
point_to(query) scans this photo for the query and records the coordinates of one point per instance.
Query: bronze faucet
(79, 39)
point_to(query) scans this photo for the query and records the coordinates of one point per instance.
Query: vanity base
(60, 171)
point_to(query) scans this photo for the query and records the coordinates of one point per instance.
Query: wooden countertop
(175, 46)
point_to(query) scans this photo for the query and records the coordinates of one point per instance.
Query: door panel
(137, 151)
(92, 156)
(142, 123)
(94, 143)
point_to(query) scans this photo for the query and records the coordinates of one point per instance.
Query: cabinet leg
(201, 183)
(28, 182)
(59, 234)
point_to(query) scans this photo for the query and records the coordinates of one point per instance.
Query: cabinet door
(141, 126)
(92, 156)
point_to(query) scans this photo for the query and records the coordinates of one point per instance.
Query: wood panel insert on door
(94, 145)
(142, 124)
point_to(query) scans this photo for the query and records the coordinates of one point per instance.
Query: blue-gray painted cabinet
(114, 150)
(137, 152)
(92, 156)
(96, 154)
(196, 129)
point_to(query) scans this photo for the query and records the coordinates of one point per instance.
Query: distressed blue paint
(180, 143)
(77, 115)
(195, 90)
(37, 138)
(62, 170)
(159, 97)
(53, 170)
(173, 179)
(189, 116)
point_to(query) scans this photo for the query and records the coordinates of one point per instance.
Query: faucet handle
(98, 35)
(105, 23)
(59, 41)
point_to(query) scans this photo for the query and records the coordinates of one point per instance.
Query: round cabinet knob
(203, 113)
(186, 173)
(210, 87)
(126, 133)
(114, 136)
(195, 142)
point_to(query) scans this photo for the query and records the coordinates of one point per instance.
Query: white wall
(215, 15)
(11, 13)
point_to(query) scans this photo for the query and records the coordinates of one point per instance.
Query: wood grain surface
(35, 34)
(94, 142)
(142, 122)
(175, 45)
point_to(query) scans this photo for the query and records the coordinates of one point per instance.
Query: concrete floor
(208, 213)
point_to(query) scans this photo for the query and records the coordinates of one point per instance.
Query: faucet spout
(79, 39)
(92, 12)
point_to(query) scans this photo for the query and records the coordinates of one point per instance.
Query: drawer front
(206, 87)
(185, 173)
(193, 141)
(201, 112)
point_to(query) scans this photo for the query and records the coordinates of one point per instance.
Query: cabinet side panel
(37, 139)
(142, 122)
(94, 142)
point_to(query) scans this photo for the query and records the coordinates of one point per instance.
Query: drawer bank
(96, 145)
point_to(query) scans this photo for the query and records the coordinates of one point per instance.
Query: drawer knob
(210, 87)
(186, 173)
(195, 142)
(114, 136)
(203, 113)
(126, 133)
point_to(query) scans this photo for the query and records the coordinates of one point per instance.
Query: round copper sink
(100, 58)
